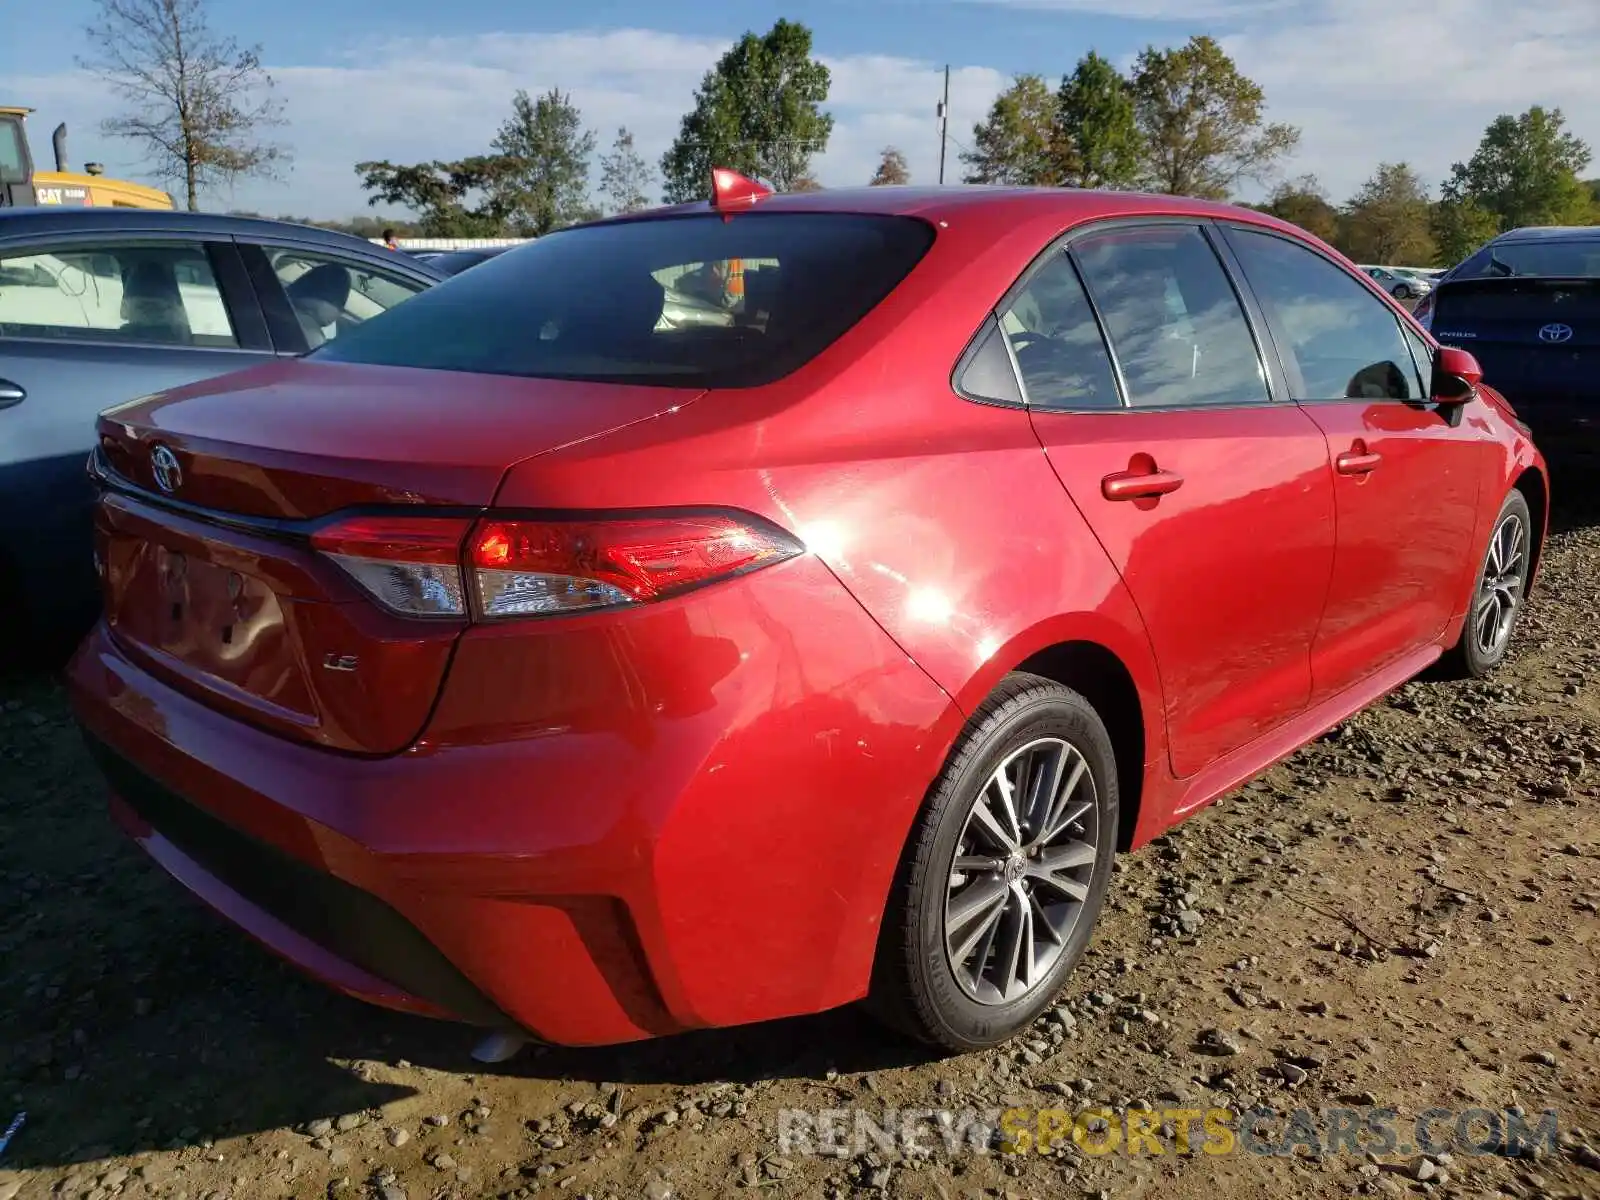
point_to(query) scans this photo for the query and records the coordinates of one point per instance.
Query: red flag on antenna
(731, 190)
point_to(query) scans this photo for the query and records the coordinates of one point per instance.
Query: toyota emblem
(1556, 332)
(164, 467)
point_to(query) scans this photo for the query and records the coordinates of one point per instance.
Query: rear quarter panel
(942, 517)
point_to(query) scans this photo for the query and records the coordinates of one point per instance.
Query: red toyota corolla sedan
(749, 607)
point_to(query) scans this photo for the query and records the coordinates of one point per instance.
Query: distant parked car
(98, 306)
(1400, 283)
(453, 262)
(1527, 305)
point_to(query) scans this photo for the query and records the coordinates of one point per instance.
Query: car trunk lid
(212, 492)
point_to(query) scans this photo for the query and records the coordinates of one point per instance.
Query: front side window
(1057, 342)
(13, 163)
(692, 302)
(1344, 341)
(1422, 355)
(1173, 319)
(330, 296)
(163, 295)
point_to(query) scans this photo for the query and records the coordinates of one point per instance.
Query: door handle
(1357, 462)
(1133, 485)
(10, 394)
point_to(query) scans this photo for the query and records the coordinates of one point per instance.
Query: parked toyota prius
(526, 658)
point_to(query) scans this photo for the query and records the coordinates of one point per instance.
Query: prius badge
(165, 469)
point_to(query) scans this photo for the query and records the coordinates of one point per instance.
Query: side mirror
(1456, 376)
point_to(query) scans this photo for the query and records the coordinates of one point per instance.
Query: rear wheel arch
(1535, 489)
(1101, 678)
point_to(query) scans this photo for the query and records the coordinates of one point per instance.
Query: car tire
(1402, 292)
(1498, 591)
(1034, 892)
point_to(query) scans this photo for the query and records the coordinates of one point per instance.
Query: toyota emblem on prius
(164, 467)
(1555, 332)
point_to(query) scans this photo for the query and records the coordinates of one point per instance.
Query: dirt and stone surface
(1405, 915)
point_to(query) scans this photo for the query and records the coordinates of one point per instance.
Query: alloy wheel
(1505, 573)
(1022, 871)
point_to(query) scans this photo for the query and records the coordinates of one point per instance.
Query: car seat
(319, 298)
(152, 305)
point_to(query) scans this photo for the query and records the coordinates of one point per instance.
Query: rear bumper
(704, 834)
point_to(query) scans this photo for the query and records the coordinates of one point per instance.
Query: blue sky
(1366, 80)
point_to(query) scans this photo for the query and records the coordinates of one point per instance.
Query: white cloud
(1366, 80)
(1186, 12)
(1417, 80)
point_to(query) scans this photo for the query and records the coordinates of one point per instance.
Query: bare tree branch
(197, 103)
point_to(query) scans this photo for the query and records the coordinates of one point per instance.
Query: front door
(1406, 473)
(1212, 499)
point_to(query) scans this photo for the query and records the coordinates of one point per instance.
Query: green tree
(758, 111)
(546, 180)
(892, 169)
(1459, 226)
(1203, 122)
(1303, 202)
(1098, 140)
(1526, 172)
(624, 177)
(1388, 220)
(470, 198)
(1016, 144)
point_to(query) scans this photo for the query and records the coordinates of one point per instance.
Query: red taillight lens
(1423, 310)
(410, 565)
(425, 566)
(532, 568)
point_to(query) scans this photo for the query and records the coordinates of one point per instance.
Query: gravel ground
(1404, 915)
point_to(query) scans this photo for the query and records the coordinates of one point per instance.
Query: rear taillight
(411, 566)
(502, 567)
(1423, 312)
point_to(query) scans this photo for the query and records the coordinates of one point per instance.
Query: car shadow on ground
(1575, 496)
(133, 1019)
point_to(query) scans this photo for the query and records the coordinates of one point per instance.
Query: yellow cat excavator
(21, 186)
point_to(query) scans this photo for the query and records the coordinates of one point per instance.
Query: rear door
(86, 324)
(1212, 499)
(1407, 474)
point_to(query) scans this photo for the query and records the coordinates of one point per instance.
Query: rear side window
(1344, 341)
(1057, 343)
(146, 294)
(330, 296)
(694, 301)
(1174, 321)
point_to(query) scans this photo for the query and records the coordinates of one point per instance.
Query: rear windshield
(1577, 258)
(694, 302)
(1516, 299)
